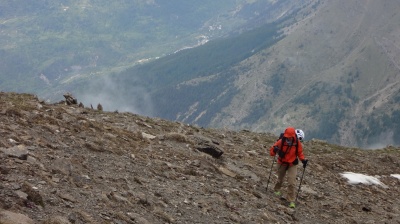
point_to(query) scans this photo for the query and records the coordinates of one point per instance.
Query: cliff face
(63, 163)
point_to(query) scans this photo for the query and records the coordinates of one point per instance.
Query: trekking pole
(301, 180)
(273, 161)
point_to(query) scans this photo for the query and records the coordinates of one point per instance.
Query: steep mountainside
(336, 74)
(329, 67)
(62, 164)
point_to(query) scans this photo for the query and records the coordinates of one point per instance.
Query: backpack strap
(280, 137)
(283, 140)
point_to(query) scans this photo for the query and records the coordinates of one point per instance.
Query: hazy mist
(112, 96)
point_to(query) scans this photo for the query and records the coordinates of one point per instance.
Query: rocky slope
(64, 163)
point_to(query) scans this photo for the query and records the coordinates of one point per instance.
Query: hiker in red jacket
(289, 149)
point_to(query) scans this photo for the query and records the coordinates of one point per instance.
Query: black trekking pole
(273, 161)
(301, 180)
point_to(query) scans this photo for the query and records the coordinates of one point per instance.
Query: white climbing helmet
(300, 134)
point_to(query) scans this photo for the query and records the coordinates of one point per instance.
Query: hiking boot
(277, 193)
(292, 205)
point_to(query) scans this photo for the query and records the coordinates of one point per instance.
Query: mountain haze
(330, 68)
(47, 46)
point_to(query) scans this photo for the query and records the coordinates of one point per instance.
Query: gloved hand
(276, 148)
(304, 161)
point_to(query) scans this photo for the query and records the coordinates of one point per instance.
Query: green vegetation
(258, 110)
(377, 126)
(215, 57)
(211, 58)
(45, 43)
(171, 101)
(277, 81)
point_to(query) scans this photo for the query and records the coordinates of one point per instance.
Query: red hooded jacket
(289, 149)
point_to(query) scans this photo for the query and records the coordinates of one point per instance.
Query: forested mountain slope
(336, 74)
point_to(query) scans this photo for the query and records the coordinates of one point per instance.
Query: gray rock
(8, 217)
(18, 151)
